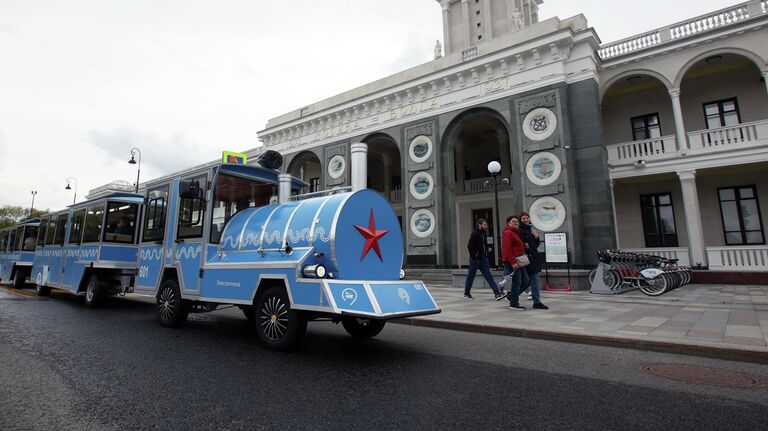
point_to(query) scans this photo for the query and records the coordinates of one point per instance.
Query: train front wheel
(278, 326)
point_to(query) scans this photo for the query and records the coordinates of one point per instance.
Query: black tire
(278, 326)
(362, 328)
(93, 292)
(19, 280)
(42, 290)
(172, 310)
(655, 286)
(249, 313)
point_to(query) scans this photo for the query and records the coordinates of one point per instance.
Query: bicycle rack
(621, 271)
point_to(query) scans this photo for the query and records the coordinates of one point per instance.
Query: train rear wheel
(362, 328)
(172, 310)
(19, 280)
(42, 290)
(93, 292)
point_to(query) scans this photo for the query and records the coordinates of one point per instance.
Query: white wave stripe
(151, 254)
(276, 238)
(188, 252)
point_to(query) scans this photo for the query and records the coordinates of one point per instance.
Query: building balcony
(484, 185)
(739, 138)
(396, 196)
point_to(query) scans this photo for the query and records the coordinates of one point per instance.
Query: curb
(713, 351)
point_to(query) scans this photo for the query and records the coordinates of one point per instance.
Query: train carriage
(90, 248)
(17, 249)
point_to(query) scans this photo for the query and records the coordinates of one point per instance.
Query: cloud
(3, 147)
(418, 49)
(162, 154)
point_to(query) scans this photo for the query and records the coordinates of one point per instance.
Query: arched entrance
(384, 167)
(472, 140)
(306, 165)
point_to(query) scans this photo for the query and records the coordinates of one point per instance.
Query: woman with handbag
(514, 260)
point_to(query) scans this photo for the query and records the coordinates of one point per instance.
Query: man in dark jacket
(531, 241)
(478, 259)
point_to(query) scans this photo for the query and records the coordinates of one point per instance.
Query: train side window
(154, 215)
(41, 232)
(2, 242)
(191, 208)
(19, 238)
(76, 231)
(232, 194)
(94, 219)
(30, 238)
(50, 231)
(11, 238)
(121, 222)
(61, 229)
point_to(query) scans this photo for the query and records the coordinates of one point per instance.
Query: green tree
(10, 215)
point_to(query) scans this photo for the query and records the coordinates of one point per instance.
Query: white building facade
(657, 142)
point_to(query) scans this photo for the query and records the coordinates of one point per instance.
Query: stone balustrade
(738, 258)
(648, 149)
(684, 29)
(731, 137)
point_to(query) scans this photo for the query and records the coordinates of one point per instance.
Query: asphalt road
(63, 366)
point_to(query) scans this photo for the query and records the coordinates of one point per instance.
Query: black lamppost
(135, 150)
(494, 168)
(32, 208)
(70, 179)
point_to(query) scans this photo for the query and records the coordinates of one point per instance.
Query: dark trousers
(519, 283)
(485, 269)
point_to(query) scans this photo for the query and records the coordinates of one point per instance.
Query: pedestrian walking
(531, 241)
(478, 259)
(513, 259)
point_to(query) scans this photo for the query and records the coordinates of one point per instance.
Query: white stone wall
(629, 218)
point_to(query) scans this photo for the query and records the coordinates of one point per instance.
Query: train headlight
(402, 274)
(316, 271)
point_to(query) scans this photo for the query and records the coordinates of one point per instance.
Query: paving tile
(743, 331)
(705, 334)
(742, 317)
(745, 340)
(650, 321)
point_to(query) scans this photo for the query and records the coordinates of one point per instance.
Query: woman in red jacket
(512, 246)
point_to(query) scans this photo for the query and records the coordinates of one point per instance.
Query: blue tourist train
(230, 234)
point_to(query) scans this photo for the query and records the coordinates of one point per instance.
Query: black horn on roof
(270, 159)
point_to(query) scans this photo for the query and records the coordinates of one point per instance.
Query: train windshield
(232, 194)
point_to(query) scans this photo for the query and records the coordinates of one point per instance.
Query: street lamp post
(494, 168)
(135, 150)
(32, 208)
(70, 179)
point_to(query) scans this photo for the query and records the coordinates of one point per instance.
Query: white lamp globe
(494, 167)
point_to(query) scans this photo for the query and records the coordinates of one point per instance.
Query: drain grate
(699, 375)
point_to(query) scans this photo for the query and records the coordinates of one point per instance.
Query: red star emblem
(372, 237)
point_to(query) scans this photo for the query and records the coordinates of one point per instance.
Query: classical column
(677, 110)
(359, 166)
(696, 247)
(765, 78)
(615, 216)
(467, 23)
(447, 42)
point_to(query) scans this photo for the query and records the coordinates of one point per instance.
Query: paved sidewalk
(713, 320)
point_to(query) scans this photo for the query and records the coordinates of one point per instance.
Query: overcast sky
(82, 82)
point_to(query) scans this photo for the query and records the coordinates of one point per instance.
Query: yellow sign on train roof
(232, 158)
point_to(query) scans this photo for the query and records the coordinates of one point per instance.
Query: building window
(314, 184)
(722, 113)
(658, 220)
(646, 127)
(740, 211)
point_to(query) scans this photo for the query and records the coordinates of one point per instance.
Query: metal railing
(684, 29)
(478, 185)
